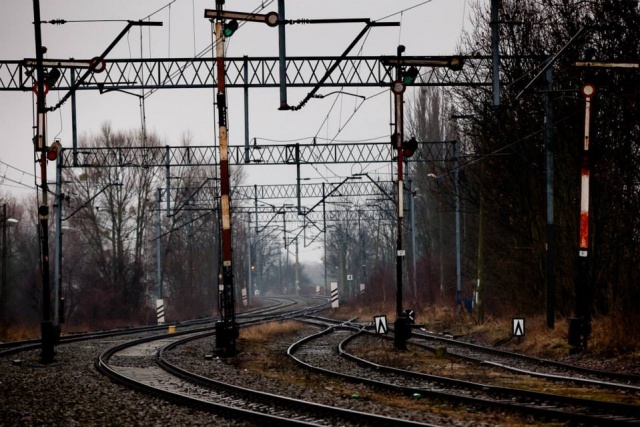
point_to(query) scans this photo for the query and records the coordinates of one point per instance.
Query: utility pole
(324, 228)
(257, 246)
(40, 146)
(286, 249)
(282, 51)
(580, 327)
(456, 177)
(3, 290)
(398, 87)
(551, 245)
(249, 264)
(480, 263)
(226, 329)
(414, 274)
(58, 310)
(159, 300)
(297, 272)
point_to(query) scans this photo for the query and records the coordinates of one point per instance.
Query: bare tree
(111, 228)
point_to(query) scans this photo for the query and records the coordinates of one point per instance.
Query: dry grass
(611, 336)
(269, 330)
(363, 313)
(20, 333)
(615, 335)
(538, 339)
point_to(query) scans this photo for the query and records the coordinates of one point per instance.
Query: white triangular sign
(518, 327)
(380, 324)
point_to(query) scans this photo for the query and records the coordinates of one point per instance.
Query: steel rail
(629, 381)
(14, 347)
(625, 414)
(307, 413)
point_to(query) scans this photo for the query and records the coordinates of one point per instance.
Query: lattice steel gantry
(194, 73)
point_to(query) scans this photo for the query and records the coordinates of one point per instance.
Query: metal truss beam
(289, 191)
(193, 73)
(205, 198)
(304, 154)
(268, 217)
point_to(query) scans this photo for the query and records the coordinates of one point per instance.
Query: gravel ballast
(71, 392)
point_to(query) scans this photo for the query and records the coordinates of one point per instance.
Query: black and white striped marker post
(160, 311)
(334, 295)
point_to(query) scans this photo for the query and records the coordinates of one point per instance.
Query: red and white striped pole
(580, 326)
(227, 329)
(588, 91)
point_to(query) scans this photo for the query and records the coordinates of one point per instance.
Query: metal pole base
(402, 333)
(48, 339)
(226, 336)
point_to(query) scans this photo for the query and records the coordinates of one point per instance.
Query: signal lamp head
(52, 77)
(54, 150)
(409, 147)
(410, 76)
(456, 63)
(230, 28)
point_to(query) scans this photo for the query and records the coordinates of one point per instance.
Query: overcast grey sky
(431, 28)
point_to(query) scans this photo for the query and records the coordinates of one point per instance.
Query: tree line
(120, 244)
(502, 166)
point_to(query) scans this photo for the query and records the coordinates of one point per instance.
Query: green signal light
(230, 28)
(410, 76)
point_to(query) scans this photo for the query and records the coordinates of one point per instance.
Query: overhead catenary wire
(193, 24)
(159, 10)
(208, 49)
(357, 107)
(169, 35)
(366, 37)
(6, 169)
(401, 13)
(342, 125)
(404, 10)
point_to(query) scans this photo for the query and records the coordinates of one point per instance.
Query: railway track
(316, 350)
(277, 303)
(509, 361)
(141, 364)
(524, 364)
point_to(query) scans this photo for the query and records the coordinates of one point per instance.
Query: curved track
(313, 351)
(524, 364)
(141, 364)
(13, 347)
